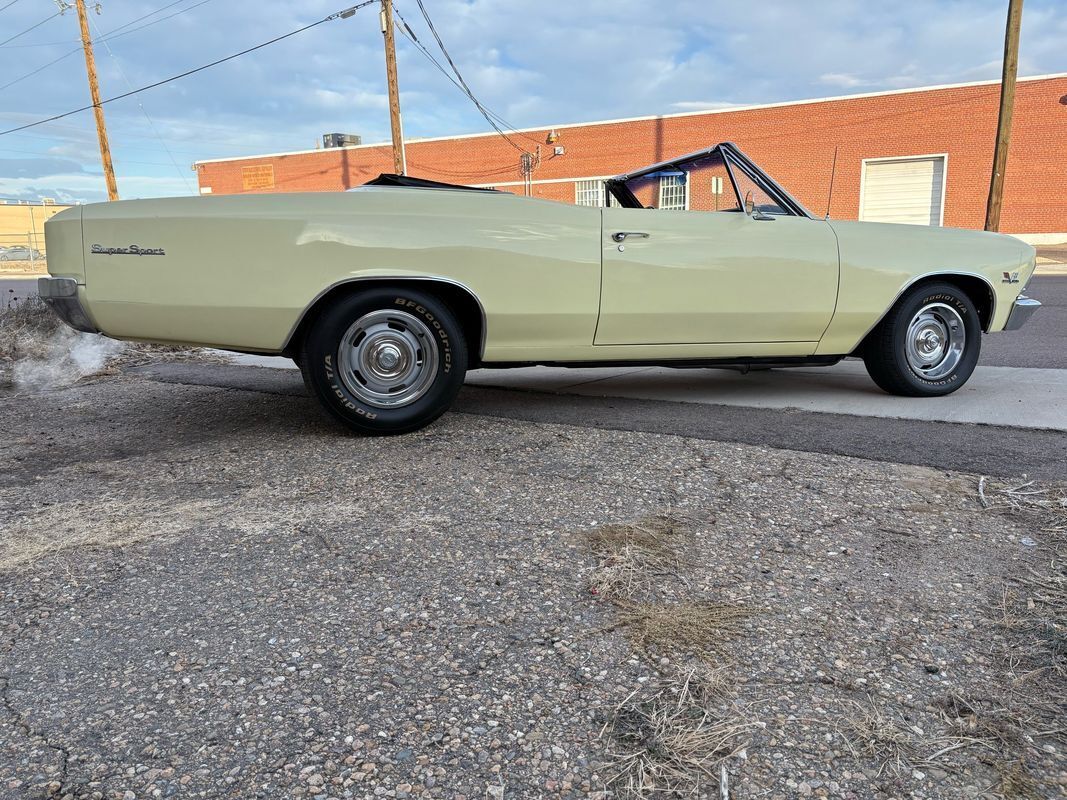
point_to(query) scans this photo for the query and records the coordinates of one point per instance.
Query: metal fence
(26, 249)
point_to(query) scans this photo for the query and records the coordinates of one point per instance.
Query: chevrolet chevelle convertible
(387, 294)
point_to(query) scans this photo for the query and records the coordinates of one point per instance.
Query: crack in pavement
(55, 787)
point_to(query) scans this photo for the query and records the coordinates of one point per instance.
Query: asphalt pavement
(213, 593)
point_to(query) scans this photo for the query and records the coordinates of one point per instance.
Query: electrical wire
(40, 69)
(32, 27)
(151, 14)
(8, 5)
(107, 37)
(120, 27)
(409, 34)
(462, 83)
(185, 74)
(113, 34)
(181, 173)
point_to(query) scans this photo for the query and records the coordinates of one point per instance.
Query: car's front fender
(880, 262)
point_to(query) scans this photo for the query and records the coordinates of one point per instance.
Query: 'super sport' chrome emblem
(132, 250)
(1011, 277)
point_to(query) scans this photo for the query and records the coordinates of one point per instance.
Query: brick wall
(794, 143)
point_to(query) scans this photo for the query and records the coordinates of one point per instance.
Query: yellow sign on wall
(261, 176)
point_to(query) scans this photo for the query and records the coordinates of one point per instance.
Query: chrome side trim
(1021, 311)
(935, 274)
(61, 295)
(406, 278)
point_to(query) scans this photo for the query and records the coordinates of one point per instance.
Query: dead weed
(700, 629)
(632, 557)
(675, 737)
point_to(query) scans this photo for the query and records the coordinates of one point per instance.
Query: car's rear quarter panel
(238, 272)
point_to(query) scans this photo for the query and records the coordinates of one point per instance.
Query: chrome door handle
(622, 236)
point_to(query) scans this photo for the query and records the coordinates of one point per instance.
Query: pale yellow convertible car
(386, 295)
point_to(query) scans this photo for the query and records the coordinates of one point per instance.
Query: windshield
(702, 184)
(721, 178)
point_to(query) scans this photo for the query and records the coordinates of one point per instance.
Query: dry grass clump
(107, 524)
(675, 738)
(1036, 610)
(25, 329)
(1015, 781)
(1044, 507)
(1036, 616)
(901, 747)
(632, 556)
(675, 735)
(686, 628)
(873, 733)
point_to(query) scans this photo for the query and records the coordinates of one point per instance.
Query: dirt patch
(23, 269)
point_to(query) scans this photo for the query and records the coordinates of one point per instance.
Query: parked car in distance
(387, 294)
(19, 253)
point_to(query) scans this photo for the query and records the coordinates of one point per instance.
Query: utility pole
(94, 92)
(399, 157)
(1007, 105)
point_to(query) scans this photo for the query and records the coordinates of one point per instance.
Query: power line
(113, 34)
(107, 37)
(8, 5)
(120, 27)
(405, 28)
(40, 69)
(32, 27)
(462, 83)
(146, 16)
(181, 173)
(185, 74)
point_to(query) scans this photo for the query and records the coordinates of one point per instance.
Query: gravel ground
(212, 593)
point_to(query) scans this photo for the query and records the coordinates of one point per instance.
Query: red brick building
(918, 155)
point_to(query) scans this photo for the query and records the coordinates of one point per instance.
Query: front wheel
(385, 361)
(928, 344)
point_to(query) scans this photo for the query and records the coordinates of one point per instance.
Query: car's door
(701, 276)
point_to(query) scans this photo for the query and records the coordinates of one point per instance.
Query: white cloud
(596, 59)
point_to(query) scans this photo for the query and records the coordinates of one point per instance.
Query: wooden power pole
(94, 92)
(1007, 105)
(399, 157)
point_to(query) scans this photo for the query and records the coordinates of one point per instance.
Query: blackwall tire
(927, 345)
(385, 361)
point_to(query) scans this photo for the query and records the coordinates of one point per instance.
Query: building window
(672, 193)
(589, 193)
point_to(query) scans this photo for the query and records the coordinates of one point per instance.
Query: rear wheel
(928, 344)
(385, 361)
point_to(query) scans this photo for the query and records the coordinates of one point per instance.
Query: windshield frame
(734, 159)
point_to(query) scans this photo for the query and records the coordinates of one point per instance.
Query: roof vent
(340, 140)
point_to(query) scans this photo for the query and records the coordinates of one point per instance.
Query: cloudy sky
(532, 62)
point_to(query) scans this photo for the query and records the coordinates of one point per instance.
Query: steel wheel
(928, 343)
(388, 359)
(935, 341)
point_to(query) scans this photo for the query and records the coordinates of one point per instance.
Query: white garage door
(906, 190)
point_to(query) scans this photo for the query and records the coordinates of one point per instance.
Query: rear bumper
(1021, 311)
(61, 295)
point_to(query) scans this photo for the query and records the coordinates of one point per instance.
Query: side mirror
(753, 212)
